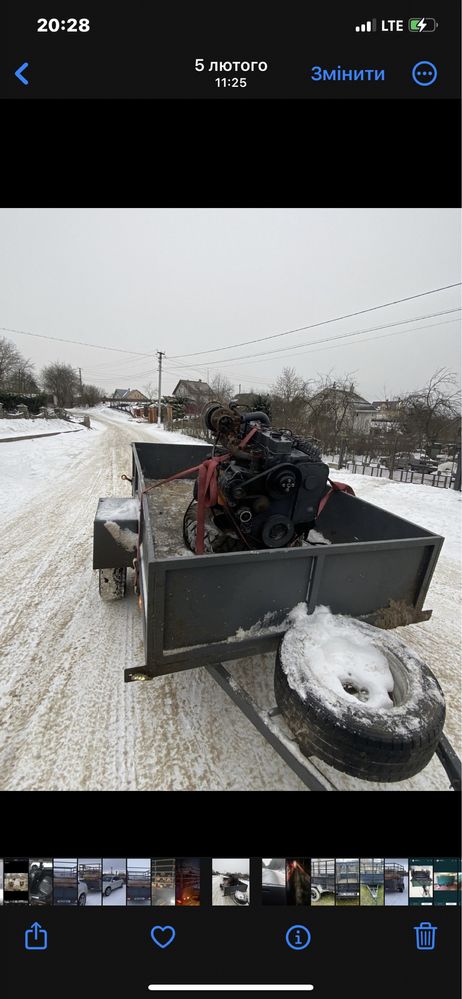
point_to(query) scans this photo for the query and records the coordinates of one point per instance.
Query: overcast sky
(188, 280)
(229, 865)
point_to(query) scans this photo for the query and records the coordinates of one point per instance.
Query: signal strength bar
(367, 25)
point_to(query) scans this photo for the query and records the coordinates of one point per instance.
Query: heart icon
(163, 936)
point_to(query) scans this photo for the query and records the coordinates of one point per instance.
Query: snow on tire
(356, 697)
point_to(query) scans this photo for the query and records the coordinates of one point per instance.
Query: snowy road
(68, 720)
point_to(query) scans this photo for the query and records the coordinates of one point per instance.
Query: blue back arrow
(19, 75)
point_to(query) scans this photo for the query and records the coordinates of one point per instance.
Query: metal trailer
(347, 879)
(65, 884)
(231, 884)
(421, 879)
(322, 878)
(91, 875)
(163, 880)
(190, 614)
(371, 874)
(138, 887)
(394, 875)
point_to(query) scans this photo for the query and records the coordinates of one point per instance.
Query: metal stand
(286, 745)
(271, 730)
(450, 761)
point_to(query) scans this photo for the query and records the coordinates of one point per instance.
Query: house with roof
(348, 410)
(194, 395)
(125, 398)
(387, 412)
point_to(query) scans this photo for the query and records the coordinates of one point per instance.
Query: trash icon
(425, 936)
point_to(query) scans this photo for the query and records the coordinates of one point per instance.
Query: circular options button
(424, 73)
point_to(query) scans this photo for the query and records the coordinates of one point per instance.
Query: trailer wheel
(112, 583)
(387, 745)
(315, 894)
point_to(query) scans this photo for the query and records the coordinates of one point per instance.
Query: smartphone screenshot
(230, 481)
(202, 52)
(446, 881)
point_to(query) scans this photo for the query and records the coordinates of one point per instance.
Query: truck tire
(315, 894)
(373, 745)
(82, 899)
(112, 583)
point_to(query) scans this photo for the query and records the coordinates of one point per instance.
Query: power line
(352, 343)
(202, 371)
(330, 339)
(372, 339)
(79, 343)
(311, 326)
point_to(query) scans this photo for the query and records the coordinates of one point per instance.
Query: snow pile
(123, 536)
(329, 650)
(9, 429)
(316, 538)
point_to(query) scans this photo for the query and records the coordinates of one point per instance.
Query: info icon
(298, 937)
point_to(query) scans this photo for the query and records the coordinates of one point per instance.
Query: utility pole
(160, 355)
(80, 378)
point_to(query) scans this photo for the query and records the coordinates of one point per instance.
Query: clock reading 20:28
(72, 24)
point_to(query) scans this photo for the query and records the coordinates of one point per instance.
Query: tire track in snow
(70, 721)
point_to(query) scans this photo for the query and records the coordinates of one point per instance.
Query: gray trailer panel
(213, 608)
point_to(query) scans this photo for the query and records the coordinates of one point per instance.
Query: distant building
(124, 398)
(359, 412)
(245, 399)
(193, 395)
(386, 413)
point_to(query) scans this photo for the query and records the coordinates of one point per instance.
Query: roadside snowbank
(30, 467)
(437, 509)
(9, 429)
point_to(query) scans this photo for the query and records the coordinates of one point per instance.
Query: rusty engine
(261, 487)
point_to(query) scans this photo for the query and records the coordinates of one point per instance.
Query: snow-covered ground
(93, 898)
(116, 897)
(155, 432)
(218, 897)
(68, 720)
(10, 429)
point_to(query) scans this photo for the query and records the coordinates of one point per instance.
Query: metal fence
(192, 427)
(439, 479)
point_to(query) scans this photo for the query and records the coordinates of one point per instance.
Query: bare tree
(10, 360)
(288, 400)
(330, 405)
(91, 395)
(150, 391)
(222, 389)
(432, 413)
(62, 381)
(22, 378)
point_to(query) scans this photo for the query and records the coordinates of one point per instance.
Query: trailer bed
(218, 607)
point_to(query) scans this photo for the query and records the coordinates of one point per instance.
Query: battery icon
(419, 24)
